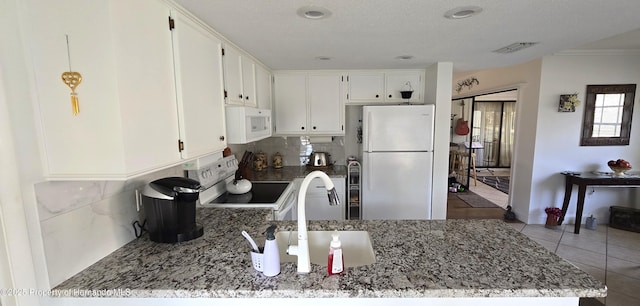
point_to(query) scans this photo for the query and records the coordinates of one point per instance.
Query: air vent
(515, 47)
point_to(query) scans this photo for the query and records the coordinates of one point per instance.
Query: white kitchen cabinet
(308, 103)
(263, 88)
(127, 124)
(316, 202)
(248, 81)
(239, 78)
(199, 85)
(397, 81)
(366, 87)
(326, 109)
(384, 86)
(151, 91)
(290, 105)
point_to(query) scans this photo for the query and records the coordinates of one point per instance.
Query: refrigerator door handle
(369, 127)
(369, 176)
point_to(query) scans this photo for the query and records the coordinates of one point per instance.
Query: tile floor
(608, 254)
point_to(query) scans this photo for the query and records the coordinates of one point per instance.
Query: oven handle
(288, 202)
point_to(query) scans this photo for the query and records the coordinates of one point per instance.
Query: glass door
(493, 127)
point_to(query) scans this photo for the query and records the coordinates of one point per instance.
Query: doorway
(481, 158)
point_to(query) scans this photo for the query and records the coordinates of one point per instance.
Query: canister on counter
(260, 161)
(277, 160)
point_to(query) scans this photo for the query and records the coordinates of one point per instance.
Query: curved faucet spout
(302, 249)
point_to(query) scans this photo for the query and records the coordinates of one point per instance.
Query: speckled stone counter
(414, 259)
(289, 173)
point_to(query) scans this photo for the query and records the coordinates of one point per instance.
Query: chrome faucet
(302, 249)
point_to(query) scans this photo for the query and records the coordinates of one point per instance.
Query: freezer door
(397, 186)
(398, 128)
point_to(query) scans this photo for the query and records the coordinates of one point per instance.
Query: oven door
(285, 211)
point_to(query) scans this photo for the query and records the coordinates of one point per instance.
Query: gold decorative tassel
(73, 79)
(75, 106)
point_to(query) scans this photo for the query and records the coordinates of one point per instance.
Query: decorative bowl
(619, 171)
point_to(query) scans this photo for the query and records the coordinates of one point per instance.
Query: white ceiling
(370, 34)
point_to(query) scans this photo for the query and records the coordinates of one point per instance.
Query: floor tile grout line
(606, 261)
(561, 235)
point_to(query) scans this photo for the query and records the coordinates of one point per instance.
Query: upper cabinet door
(326, 109)
(248, 81)
(127, 124)
(290, 103)
(263, 87)
(233, 76)
(198, 62)
(400, 81)
(366, 87)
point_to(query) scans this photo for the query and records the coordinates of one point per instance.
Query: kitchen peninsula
(484, 262)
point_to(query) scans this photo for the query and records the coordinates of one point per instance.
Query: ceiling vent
(515, 47)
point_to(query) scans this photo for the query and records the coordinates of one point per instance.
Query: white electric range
(214, 175)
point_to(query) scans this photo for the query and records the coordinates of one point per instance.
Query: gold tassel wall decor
(72, 79)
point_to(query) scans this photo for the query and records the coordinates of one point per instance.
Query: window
(607, 116)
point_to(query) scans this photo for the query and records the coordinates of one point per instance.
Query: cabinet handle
(377, 96)
(303, 127)
(221, 138)
(314, 127)
(240, 96)
(247, 97)
(390, 96)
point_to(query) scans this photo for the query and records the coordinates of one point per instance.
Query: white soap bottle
(335, 263)
(271, 260)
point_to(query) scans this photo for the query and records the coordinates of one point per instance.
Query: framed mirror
(607, 115)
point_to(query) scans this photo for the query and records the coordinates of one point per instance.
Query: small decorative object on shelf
(406, 91)
(553, 213)
(568, 103)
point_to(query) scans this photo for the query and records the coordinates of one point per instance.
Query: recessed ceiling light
(323, 58)
(313, 12)
(404, 57)
(462, 12)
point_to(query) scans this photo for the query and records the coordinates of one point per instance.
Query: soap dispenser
(271, 261)
(335, 264)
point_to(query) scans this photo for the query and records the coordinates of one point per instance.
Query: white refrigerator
(397, 162)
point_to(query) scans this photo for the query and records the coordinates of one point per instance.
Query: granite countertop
(420, 259)
(289, 173)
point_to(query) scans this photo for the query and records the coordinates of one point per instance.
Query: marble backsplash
(295, 150)
(83, 221)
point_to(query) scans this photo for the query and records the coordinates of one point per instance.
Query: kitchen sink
(356, 247)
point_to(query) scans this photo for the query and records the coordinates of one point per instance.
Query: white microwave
(247, 124)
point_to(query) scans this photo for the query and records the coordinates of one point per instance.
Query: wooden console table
(584, 179)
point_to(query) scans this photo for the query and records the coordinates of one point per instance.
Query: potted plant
(553, 213)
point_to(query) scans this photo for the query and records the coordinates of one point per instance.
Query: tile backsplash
(295, 150)
(83, 221)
